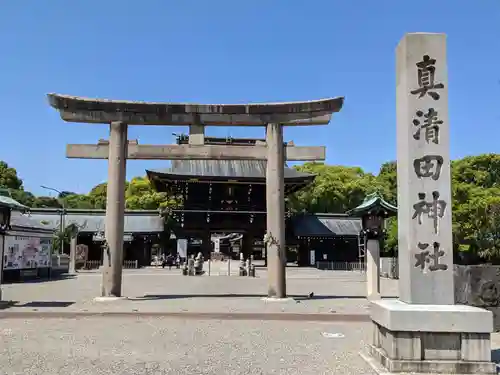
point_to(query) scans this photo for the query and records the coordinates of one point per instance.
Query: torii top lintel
(103, 111)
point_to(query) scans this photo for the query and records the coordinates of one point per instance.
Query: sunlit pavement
(176, 346)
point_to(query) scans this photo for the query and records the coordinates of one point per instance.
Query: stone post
(115, 211)
(2, 251)
(424, 331)
(373, 269)
(275, 207)
(72, 254)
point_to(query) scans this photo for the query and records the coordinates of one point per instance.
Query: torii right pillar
(275, 207)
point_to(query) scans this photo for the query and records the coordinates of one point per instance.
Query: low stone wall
(389, 267)
(479, 286)
(60, 264)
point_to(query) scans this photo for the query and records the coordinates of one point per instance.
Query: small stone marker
(190, 264)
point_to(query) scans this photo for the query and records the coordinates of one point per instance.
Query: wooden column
(115, 211)
(206, 244)
(247, 244)
(275, 207)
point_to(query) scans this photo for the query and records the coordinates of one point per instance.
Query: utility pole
(61, 220)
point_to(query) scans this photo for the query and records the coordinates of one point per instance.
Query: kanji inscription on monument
(430, 257)
(428, 166)
(434, 209)
(426, 74)
(424, 192)
(428, 123)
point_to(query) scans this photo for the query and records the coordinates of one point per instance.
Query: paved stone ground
(141, 344)
(96, 346)
(161, 290)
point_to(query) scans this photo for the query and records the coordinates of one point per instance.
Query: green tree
(9, 178)
(64, 237)
(64, 194)
(480, 171)
(335, 188)
(23, 197)
(140, 195)
(391, 238)
(388, 180)
(78, 201)
(98, 195)
(475, 188)
(46, 202)
(487, 230)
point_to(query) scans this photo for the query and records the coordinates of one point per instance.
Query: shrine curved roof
(223, 169)
(90, 110)
(92, 221)
(7, 201)
(373, 202)
(325, 225)
(24, 222)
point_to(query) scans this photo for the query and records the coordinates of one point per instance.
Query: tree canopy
(9, 178)
(337, 189)
(475, 191)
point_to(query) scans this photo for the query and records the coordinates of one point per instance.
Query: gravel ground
(155, 345)
(139, 346)
(156, 290)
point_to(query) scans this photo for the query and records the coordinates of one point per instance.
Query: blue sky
(232, 52)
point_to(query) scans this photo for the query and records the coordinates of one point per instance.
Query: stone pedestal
(430, 339)
(373, 269)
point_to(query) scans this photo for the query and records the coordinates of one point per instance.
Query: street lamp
(61, 221)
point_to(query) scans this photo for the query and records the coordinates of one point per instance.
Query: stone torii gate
(120, 114)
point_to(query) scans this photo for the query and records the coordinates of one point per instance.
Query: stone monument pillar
(275, 207)
(115, 211)
(424, 331)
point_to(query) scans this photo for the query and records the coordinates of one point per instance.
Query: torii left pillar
(115, 211)
(275, 207)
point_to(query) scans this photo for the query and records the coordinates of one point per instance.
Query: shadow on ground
(36, 281)
(148, 297)
(7, 304)
(35, 304)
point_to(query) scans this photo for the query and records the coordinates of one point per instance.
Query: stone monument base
(430, 339)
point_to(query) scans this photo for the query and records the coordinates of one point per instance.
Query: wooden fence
(93, 264)
(341, 266)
